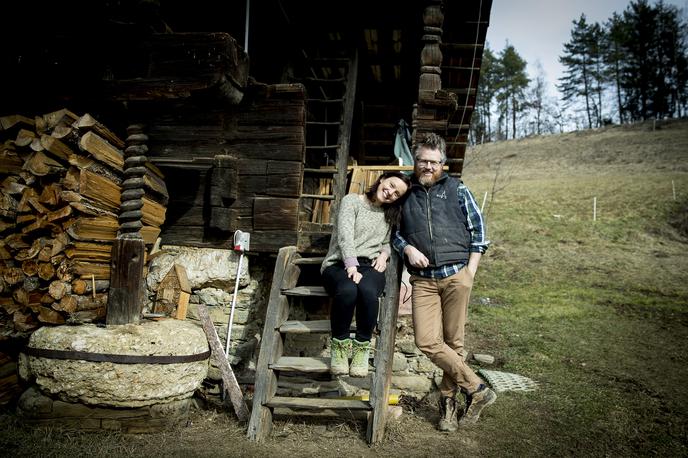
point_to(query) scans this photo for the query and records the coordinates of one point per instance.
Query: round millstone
(119, 384)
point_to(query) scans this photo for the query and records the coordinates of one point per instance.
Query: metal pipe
(248, 7)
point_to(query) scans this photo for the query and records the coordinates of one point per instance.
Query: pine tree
(583, 75)
(512, 83)
(487, 88)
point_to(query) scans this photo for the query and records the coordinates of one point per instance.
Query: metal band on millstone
(130, 217)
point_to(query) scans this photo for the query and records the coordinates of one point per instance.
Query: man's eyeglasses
(428, 163)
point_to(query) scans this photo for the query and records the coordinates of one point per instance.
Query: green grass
(594, 311)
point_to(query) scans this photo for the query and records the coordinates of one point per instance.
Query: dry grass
(594, 311)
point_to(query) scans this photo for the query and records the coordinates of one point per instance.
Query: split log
(10, 162)
(103, 151)
(15, 121)
(89, 251)
(56, 118)
(24, 322)
(68, 303)
(106, 194)
(50, 316)
(46, 271)
(24, 138)
(58, 289)
(85, 286)
(13, 275)
(50, 194)
(8, 205)
(88, 123)
(91, 302)
(30, 267)
(56, 147)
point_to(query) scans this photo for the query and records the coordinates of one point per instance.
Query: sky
(538, 29)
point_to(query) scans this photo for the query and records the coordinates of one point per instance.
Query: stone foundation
(38, 409)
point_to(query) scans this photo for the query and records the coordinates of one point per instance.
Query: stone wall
(212, 275)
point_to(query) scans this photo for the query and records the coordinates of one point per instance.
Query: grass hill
(594, 310)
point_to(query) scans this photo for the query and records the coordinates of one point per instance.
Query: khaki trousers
(440, 308)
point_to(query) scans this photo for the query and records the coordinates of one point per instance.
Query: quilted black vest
(433, 222)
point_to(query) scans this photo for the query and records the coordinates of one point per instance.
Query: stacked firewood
(60, 179)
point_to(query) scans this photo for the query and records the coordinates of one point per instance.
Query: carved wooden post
(431, 55)
(429, 109)
(125, 298)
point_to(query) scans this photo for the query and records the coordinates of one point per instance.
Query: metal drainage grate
(505, 381)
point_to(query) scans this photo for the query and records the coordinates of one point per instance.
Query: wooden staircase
(288, 285)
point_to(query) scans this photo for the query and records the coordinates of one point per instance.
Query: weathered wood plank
(125, 298)
(229, 381)
(318, 403)
(305, 291)
(284, 178)
(306, 327)
(302, 364)
(275, 214)
(260, 423)
(384, 352)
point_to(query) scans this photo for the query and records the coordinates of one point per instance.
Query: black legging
(348, 296)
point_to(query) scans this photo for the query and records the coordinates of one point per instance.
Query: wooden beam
(384, 352)
(229, 381)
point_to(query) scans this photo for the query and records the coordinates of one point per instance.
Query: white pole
(234, 298)
(673, 189)
(248, 5)
(594, 208)
(484, 200)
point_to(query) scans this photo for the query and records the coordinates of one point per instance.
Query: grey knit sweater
(361, 231)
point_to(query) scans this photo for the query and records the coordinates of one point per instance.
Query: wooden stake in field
(673, 189)
(594, 208)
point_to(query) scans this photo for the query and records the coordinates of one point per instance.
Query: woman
(353, 268)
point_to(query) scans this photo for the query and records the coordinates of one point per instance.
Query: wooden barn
(251, 108)
(254, 115)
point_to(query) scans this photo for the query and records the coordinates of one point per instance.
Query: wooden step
(311, 79)
(323, 123)
(318, 196)
(324, 147)
(318, 403)
(309, 261)
(309, 327)
(325, 100)
(306, 327)
(301, 364)
(329, 171)
(305, 291)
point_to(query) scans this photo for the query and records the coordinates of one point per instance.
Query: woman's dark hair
(393, 210)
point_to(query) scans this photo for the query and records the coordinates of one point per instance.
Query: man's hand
(354, 274)
(380, 263)
(473, 261)
(415, 257)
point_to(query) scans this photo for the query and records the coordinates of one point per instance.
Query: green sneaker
(339, 356)
(359, 360)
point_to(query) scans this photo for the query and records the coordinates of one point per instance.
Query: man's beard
(428, 181)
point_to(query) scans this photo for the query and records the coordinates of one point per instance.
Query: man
(441, 238)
